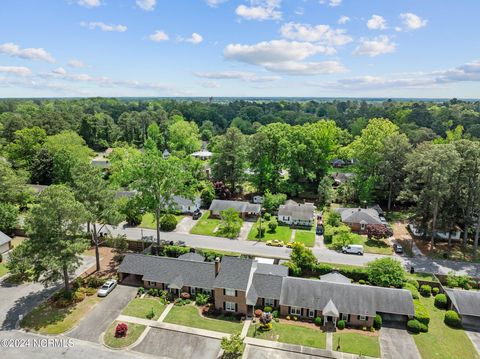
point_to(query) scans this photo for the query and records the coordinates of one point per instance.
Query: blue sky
(354, 48)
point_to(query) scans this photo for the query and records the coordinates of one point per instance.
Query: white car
(353, 249)
(107, 287)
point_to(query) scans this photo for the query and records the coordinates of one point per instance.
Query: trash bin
(412, 270)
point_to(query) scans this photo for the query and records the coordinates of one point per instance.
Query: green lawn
(189, 316)
(205, 225)
(3, 269)
(369, 245)
(305, 237)
(46, 319)
(291, 334)
(133, 333)
(142, 307)
(148, 220)
(282, 233)
(357, 344)
(441, 341)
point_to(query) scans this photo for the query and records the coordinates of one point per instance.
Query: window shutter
(235, 293)
(236, 307)
(224, 305)
(224, 291)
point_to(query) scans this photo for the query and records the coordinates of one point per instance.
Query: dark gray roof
(264, 268)
(302, 211)
(192, 257)
(466, 302)
(234, 273)
(182, 201)
(266, 286)
(4, 238)
(125, 194)
(359, 215)
(335, 277)
(167, 270)
(342, 177)
(348, 298)
(218, 205)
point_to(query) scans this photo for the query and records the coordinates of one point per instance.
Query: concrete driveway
(397, 343)
(475, 338)
(245, 230)
(104, 313)
(177, 345)
(186, 224)
(254, 352)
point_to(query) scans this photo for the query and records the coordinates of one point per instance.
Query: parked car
(397, 248)
(275, 243)
(353, 249)
(196, 215)
(289, 244)
(107, 287)
(180, 243)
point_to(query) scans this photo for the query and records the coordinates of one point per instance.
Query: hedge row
(421, 312)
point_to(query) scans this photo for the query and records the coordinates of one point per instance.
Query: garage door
(395, 319)
(469, 322)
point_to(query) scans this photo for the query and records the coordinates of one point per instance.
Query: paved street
(104, 313)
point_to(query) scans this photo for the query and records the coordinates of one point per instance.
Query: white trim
(230, 306)
(230, 292)
(269, 302)
(311, 313)
(296, 311)
(362, 317)
(344, 317)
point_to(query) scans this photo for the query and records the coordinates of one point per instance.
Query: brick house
(244, 209)
(359, 218)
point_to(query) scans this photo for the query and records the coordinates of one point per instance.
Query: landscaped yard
(47, 319)
(291, 334)
(148, 220)
(442, 341)
(189, 316)
(282, 233)
(357, 343)
(142, 307)
(133, 333)
(370, 245)
(305, 237)
(205, 225)
(3, 269)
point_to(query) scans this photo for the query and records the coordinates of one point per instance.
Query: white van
(353, 249)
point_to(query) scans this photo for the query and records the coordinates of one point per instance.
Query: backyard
(205, 225)
(442, 341)
(282, 233)
(143, 307)
(291, 334)
(305, 237)
(356, 343)
(188, 315)
(133, 333)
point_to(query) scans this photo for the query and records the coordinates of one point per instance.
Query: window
(345, 317)
(151, 284)
(270, 302)
(207, 291)
(230, 292)
(230, 306)
(362, 317)
(192, 290)
(362, 226)
(311, 313)
(295, 311)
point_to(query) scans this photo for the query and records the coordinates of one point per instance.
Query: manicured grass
(282, 233)
(133, 333)
(305, 237)
(205, 225)
(370, 245)
(142, 307)
(46, 319)
(441, 341)
(291, 334)
(3, 269)
(357, 344)
(421, 276)
(148, 220)
(189, 316)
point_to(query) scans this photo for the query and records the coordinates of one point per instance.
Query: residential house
(340, 178)
(455, 234)
(165, 153)
(186, 205)
(467, 304)
(297, 214)
(5, 243)
(203, 155)
(244, 209)
(359, 218)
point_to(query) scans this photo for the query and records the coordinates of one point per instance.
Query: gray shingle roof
(359, 215)
(234, 273)
(182, 201)
(218, 205)
(295, 210)
(264, 268)
(466, 302)
(192, 257)
(348, 298)
(4, 238)
(335, 277)
(173, 271)
(266, 282)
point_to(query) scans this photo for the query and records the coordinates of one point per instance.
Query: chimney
(217, 265)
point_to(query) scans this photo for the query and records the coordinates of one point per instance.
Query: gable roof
(330, 309)
(183, 201)
(234, 273)
(359, 215)
(266, 282)
(348, 298)
(190, 256)
(218, 205)
(466, 302)
(335, 277)
(4, 238)
(302, 211)
(172, 271)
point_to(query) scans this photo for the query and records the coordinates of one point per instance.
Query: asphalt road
(104, 313)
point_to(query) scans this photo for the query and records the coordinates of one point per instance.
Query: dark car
(196, 215)
(180, 243)
(397, 248)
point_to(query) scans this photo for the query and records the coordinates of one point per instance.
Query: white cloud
(158, 36)
(343, 20)
(332, 3)
(412, 21)
(306, 68)
(210, 84)
(76, 63)
(90, 3)
(104, 27)
(467, 72)
(299, 11)
(374, 47)
(260, 10)
(60, 71)
(236, 75)
(377, 22)
(147, 5)
(194, 39)
(16, 70)
(14, 50)
(215, 3)
(323, 34)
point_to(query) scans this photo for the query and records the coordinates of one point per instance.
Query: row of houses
(239, 285)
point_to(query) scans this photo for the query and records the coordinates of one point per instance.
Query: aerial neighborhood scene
(226, 179)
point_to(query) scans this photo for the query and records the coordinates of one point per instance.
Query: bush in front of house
(267, 216)
(121, 330)
(341, 324)
(168, 222)
(258, 312)
(441, 301)
(435, 290)
(425, 290)
(413, 282)
(175, 251)
(361, 281)
(421, 313)
(268, 309)
(95, 282)
(323, 268)
(202, 298)
(318, 321)
(412, 289)
(452, 319)
(414, 326)
(140, 291)
(275, 314)
(377, 322)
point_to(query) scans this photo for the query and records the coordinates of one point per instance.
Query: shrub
(386, 272)
(261, 232)
(413, 282)
(452, 319)
(202, 298)
(267, 216)
(94, 282)
(287, 317)
(153, 292)
(295, 318)
(435, 290)
(258, 312)
(121, 330)
(377, 322)
(168, 222)
(63, 303)
(318, 321)
(426, 290)
(412, 289)
(268, 309)
(361, 281)
(140, 291)
(77, 283)
(78, 296)
(356, 274)
(185, 295)
(151, 314)
(90, 291)
(414, 326)
(322, 268)
(341, 324)
(421, 313)
(275, 313)
(441, 301)
(272, 225)
(175, 251)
